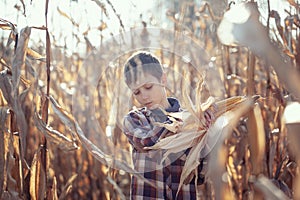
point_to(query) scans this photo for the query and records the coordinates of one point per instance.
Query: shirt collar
(175, 106)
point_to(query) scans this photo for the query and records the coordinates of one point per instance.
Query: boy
(145, 78)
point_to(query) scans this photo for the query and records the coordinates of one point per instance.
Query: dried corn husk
(189, 129)
(189, 132)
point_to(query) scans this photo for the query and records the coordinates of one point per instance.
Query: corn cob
(228, 104)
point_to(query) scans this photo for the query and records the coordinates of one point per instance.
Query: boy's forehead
(141, 80)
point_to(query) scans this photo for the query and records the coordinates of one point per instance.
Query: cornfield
(61, 113)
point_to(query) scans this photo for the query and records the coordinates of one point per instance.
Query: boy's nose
(145, 95)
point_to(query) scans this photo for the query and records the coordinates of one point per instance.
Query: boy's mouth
(148, 104)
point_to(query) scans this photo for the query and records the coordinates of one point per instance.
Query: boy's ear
(164, 79)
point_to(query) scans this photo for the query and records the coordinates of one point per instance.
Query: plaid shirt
(139, 128)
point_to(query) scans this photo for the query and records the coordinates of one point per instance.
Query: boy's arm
(139, 129)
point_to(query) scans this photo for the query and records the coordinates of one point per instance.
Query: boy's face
(150, 92)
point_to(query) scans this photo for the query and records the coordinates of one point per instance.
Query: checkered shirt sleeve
(139, 129)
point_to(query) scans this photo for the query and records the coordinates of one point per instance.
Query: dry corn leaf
(89, 45)
(20, 123)
(24, 9)
(250, 74)
(269, 190)
(30, 69)
(201, 141)
(100, 155)
(5, 26)
(199, 90)
(45, 104)
(218, 155)
(66, 189)
(19, 169)
(34, 55)
(11, 184)
(272, 155)
(212, 136)
(3, 62)
(2, 161)
(6, 87)
(68, 17)
(64, 116)
(280, 29)
(190, 131)
(54, 136)
(116, 187)
(39, 27)
(179, 144)
(17, 65)
(184, 120)
(256, 137)
(173, 127)
(10, 169)
(190, 123)
(13, 37)
(172, 142)
(178, 115)
(188, 102)
(4, 112)
(191, 163)
(19, 58)
(203, 148)
(37, 187)
(52, 193)
(8, 26)
(23, 95)
(187, 133)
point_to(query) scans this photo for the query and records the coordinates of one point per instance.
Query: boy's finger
(208, 114)
(209, 117)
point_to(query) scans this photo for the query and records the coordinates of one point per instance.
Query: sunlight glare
(291, 113)
(87, 17)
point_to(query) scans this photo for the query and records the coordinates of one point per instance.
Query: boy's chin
(152, 107)
(149, 107)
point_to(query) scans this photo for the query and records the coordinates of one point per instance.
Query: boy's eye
(148, 86)
(136, 92)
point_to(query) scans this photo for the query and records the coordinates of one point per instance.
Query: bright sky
(84, 12)
(87, 14)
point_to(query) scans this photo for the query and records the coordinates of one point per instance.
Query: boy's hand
(209, 116)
